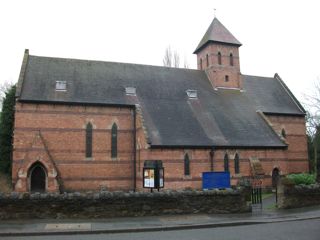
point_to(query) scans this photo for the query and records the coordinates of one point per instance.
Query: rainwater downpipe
(134, 150)
(211, 159)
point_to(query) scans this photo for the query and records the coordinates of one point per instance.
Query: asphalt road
(297, 230)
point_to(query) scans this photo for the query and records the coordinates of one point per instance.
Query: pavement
(266, 214)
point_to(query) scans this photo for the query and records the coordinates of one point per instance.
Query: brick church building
(90, 125)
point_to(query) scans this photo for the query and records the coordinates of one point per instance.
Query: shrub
(302, 178)
(287, 181)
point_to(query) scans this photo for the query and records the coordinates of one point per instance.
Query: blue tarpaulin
(211, 180)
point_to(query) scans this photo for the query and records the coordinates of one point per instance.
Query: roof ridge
(120, 63)
(246, 75)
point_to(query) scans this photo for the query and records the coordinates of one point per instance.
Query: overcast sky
(277, 36)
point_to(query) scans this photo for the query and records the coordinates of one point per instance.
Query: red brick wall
(297, 153)
(62, 129)
(216, 73)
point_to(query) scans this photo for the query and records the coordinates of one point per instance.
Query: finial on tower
(214, 10)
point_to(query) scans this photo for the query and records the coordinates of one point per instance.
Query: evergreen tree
(6, 130)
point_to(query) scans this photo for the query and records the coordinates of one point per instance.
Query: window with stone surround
(89, 140)
(114, 141)
(236, 164)
(186, 165)
(207, 60)
(219, 58)
(231, 59)
(283, 133)
(226, 162)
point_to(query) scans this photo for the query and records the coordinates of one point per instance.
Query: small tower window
(231, 59)
(219, 58)
(226, 78)
(236, 164)
(200, 63)
(186, 165)
(283, 133)
(89, 140)
(226, 162)
(114, 141)
(207, 59)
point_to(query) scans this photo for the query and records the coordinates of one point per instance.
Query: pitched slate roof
(271, 95)
(217, 32)
(220, 118)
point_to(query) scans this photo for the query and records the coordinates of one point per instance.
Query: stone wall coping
(115, 195)
(303, 189)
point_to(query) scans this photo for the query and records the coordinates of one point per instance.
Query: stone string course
(106, 204)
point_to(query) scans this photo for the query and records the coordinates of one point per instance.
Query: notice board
(211, 180)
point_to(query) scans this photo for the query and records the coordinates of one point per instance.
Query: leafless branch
(167, 59)
(312, 104)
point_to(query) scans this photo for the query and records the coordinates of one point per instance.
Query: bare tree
(176, 59)
(167, 59)
(185, 63)
(312, 103)
(172, 59)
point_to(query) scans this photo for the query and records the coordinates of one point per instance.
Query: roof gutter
(285, 114)
(76, 103)
(215, 147)
(199, 48)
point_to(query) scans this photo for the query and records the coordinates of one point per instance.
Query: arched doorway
(275, 177)
(37, 178)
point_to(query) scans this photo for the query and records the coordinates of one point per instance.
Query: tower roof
(217, 33)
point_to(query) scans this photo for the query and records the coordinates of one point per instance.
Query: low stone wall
(117, 204)
(295, 196)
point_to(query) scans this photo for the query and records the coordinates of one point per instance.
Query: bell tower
(218, 54)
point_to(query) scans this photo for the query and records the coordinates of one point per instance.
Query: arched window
(283, 133)
(89, 140)
(200, 63)
(219, 58)
(231, 59)
(186, 165)
(226, 78)
(114, 141)
(226, 162)
(236, 164)
(207, 59)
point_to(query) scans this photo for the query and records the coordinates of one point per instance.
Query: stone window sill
(187, 177)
